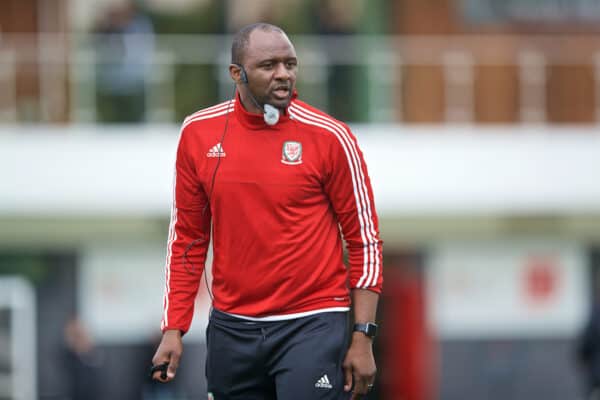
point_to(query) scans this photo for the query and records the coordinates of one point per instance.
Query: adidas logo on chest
(216, 151)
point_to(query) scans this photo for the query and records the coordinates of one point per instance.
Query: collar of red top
(256, 121)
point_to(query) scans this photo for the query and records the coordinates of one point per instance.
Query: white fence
(73, 62)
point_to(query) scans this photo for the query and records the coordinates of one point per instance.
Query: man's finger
(347, 378)
(357, 393)
(361, 386)
(173, 365)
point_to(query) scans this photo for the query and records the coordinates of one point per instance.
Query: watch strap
(369, 329)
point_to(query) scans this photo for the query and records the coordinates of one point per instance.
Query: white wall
(426, 170)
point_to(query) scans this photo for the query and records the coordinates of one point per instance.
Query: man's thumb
(173, 364)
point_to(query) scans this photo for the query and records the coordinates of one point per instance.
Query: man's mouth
(281, 92)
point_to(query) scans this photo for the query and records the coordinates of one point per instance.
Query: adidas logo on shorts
(324, 383)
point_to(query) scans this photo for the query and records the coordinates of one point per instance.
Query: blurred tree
(348, 85)
(207, 17)
(196, 86)
(30, 266)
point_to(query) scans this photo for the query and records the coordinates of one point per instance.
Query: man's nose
(281, 72)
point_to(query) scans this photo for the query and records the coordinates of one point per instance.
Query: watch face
(371, 330)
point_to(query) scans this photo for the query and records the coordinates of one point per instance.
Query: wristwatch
(369, 329)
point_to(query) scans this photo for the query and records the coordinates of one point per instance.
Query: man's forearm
(359, 363)
(364, 305)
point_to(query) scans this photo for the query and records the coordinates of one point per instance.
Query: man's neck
(250, 103)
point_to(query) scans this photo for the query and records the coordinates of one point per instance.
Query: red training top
(278, 200)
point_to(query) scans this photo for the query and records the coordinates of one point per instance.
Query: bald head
(263, 66)
(242, 38)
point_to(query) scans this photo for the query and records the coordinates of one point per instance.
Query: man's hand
(359, 366)
(169, 351)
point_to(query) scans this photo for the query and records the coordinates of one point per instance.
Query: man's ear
(236, 73)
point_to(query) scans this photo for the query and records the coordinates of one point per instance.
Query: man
(125, 45)
(277, 179)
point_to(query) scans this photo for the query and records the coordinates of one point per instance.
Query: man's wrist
(173, 332)
(359, 337)
(368, 329)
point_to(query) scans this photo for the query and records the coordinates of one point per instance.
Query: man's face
(271, 65)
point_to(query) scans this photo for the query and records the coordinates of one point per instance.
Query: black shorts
(285, 360)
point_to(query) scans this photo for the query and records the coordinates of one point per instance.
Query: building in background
(34, 68)
(503, 62)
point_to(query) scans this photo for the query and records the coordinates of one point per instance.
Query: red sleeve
(189, 236)
(349, 189)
